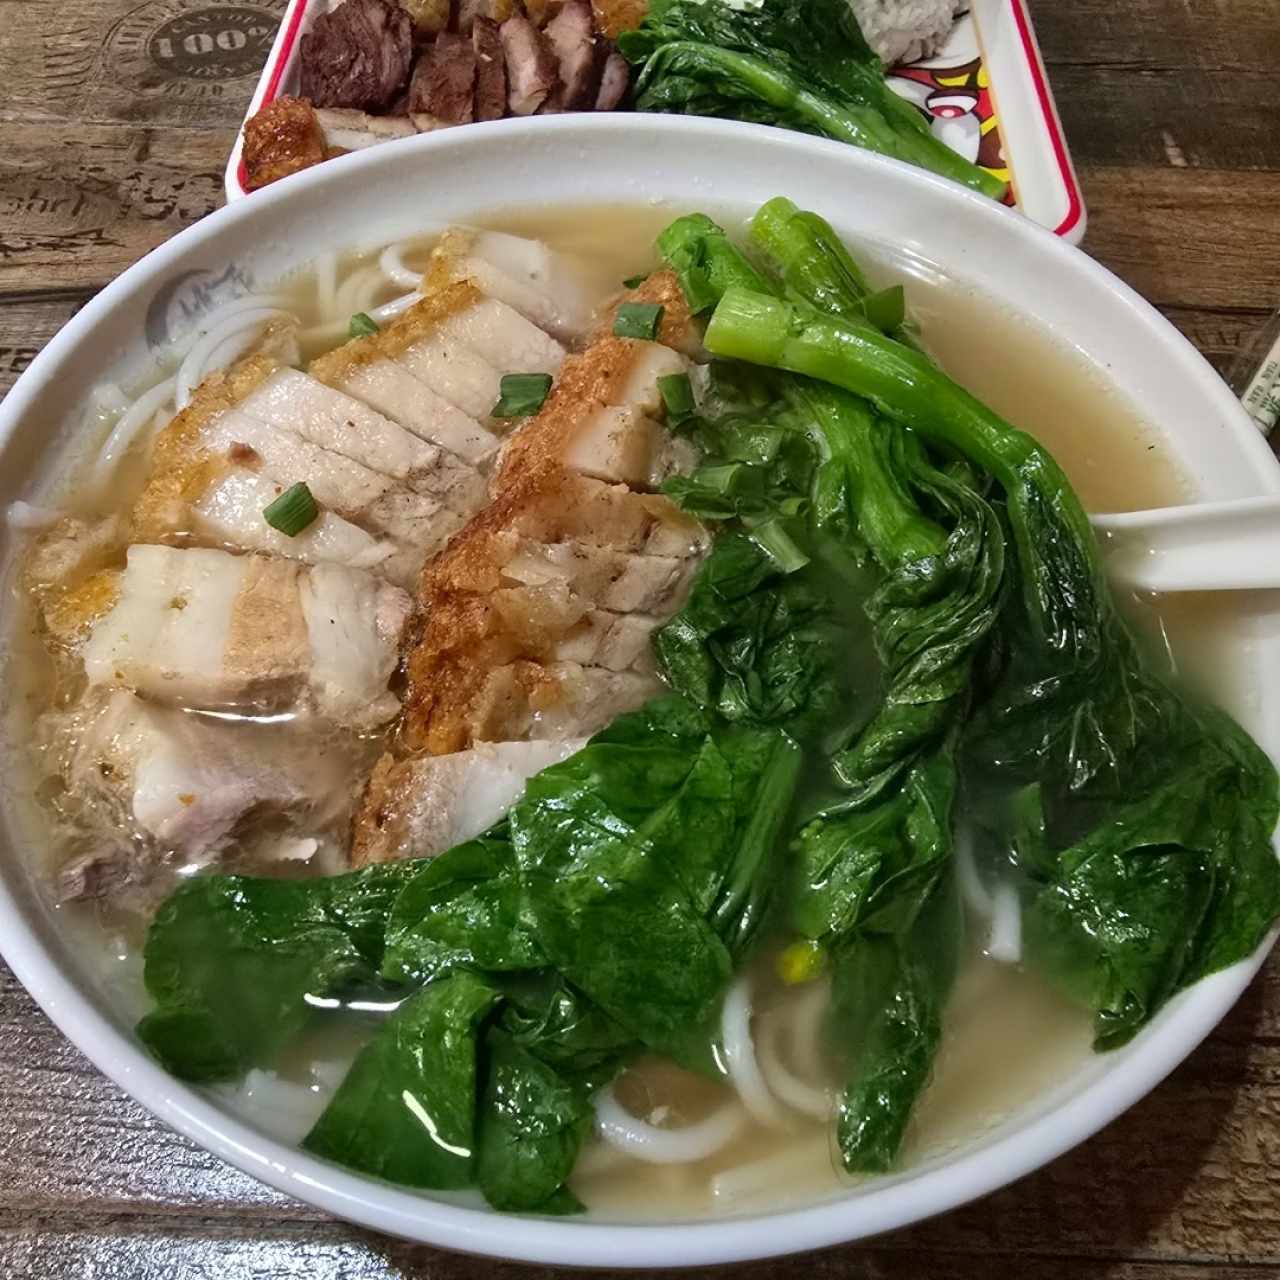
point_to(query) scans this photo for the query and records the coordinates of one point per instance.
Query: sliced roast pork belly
(72, 574)
(615, 80)
(572, 37)
(457, 344)
(342, 425)
(207, 629)
(547, 287)
(347, 130)
(491, 70)
(282, 138)
(442, 91)
(162, 790)
(203, 489)
(424, 805)
(533, 71)
(357, 55)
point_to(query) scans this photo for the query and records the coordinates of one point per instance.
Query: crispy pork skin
(281, 139)
(357, 55)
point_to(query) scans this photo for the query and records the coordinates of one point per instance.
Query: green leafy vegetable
(292, 511)
(798, 66)
(629, 848)
(362, 325)
(533, 1122)
(407, 1109)
(233, 963)
(461, 910)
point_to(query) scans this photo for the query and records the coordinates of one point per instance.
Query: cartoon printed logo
(953, 90)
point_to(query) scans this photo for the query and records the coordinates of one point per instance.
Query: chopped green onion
(677, 395)
(699, 292)
(522, 394)
(721, 478)
(634, 282)
(779, 546)
(292, 511)
(638, 320)
(362, 325)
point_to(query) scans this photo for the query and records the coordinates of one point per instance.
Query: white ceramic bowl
(399, 189)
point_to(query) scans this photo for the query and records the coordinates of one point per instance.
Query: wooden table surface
(110, 147)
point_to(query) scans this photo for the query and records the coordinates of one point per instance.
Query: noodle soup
(749, 1125)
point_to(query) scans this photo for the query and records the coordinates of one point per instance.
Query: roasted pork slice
(533, 71)
(357, 55)
(615, 80)
(392, 390)
(158, 785)
(572, 37)
(342, 425)
(459, 344)
(491, 69)
(547, 287)
(348, 130)
(470, 12)
(420, 807)
(282, 138)
(206, 629)
(443, 83)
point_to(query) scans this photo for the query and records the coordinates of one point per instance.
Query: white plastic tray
(986, 95)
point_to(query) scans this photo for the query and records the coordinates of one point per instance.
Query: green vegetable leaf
(234, 963)
(533, 1122)
(407, 1109)
(798, 66)
(461, 910)
(362, 325)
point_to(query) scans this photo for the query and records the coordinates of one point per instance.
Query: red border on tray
(277, 72)
(1030, 49)
(1050, 112)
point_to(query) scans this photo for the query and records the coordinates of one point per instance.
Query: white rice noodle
(27, 516)
(740, 1056)
(1004, 943)
(392, 265)
(325, 268)
(389, 310)
(138, 417)
(225, 342)
(974, 893)
(647, 1142)
(359, 291)
(771, 1176)
(108, 400)
(789, 1088)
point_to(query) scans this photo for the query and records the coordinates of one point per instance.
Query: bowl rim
(860, 1213)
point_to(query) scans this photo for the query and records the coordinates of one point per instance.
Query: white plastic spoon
(1209, 546)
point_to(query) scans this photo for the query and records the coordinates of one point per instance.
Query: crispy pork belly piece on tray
(205, 629)
(346, 129)
(357, 55)
(424, 805)
(281, 139)
(616, 16)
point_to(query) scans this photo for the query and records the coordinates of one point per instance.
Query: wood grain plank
(79, 203)
(1187, 237)
(27, 322)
